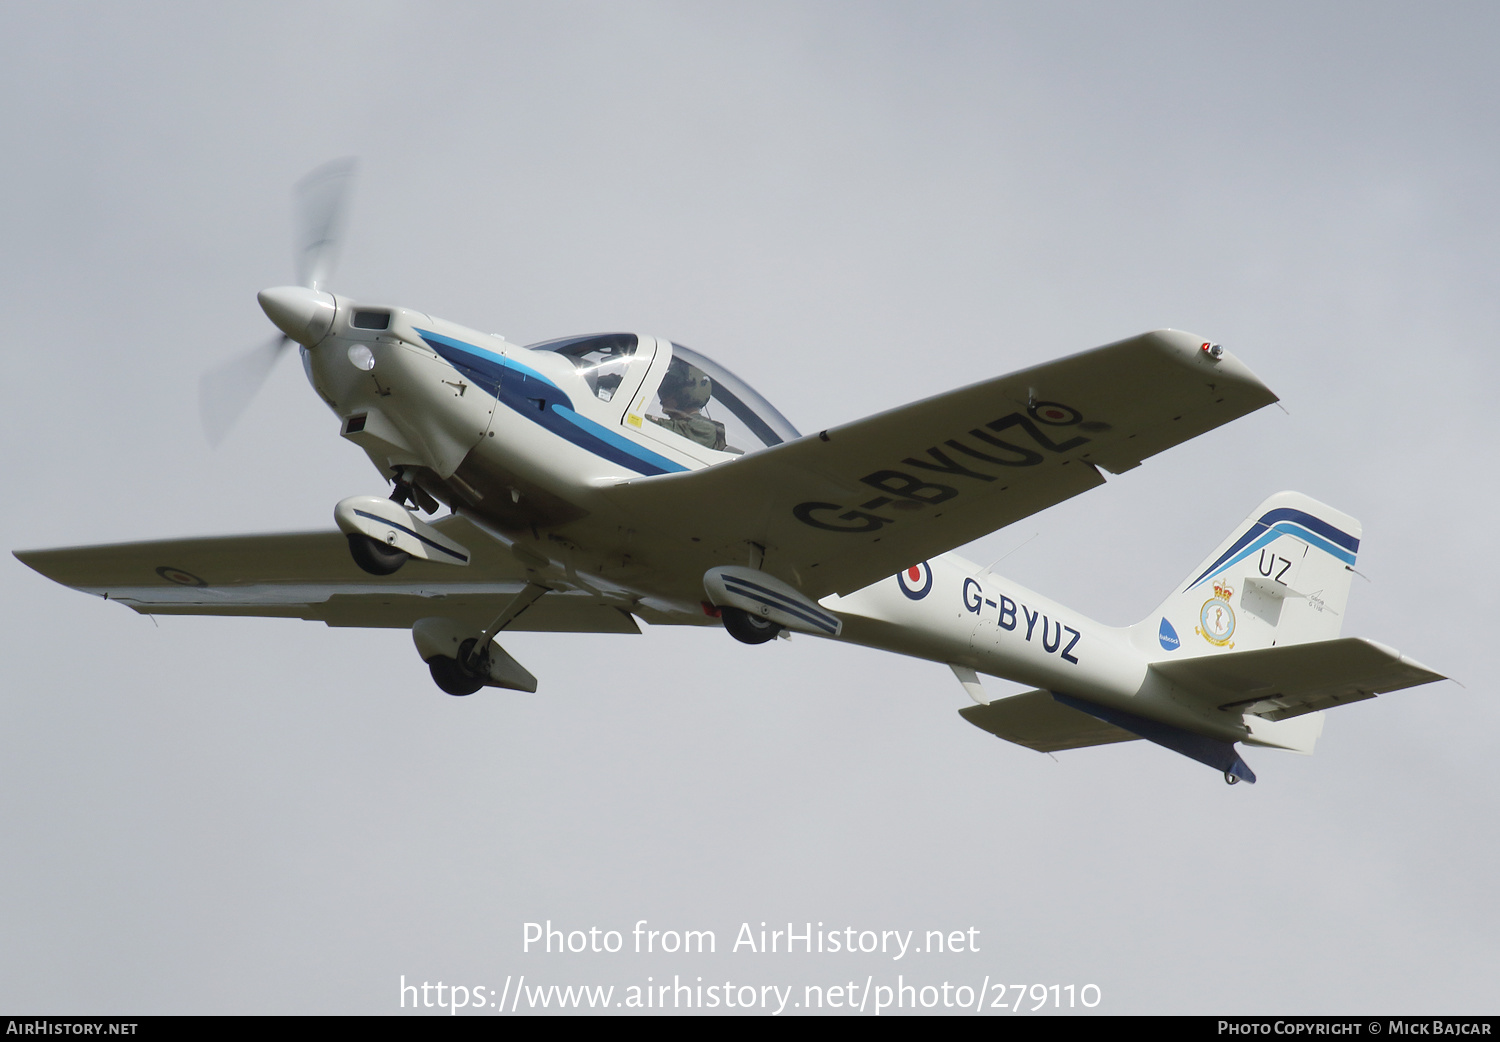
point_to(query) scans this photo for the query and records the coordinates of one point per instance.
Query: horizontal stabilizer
(1038, 721)
(1282, 682)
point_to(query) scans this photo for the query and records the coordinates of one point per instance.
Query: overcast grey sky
(852, 205)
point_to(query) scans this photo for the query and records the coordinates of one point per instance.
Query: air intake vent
(371, 320)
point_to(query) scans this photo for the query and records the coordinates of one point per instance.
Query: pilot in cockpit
(684, 391)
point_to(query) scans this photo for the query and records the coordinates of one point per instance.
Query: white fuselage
(513, 439)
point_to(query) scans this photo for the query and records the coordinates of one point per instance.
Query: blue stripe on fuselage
(541, 401)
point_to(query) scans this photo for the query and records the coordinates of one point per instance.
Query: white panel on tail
(1282, 577)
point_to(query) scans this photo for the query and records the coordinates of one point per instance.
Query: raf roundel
(916, 581)
(178, 576)
(1055, 414)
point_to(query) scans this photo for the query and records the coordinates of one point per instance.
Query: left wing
(309, 575)
(846, 507)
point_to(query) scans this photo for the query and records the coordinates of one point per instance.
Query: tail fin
(1282, 577)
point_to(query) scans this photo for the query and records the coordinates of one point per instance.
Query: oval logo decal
(1168, 636)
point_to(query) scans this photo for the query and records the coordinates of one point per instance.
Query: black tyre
(452, 677)
(747, 628)
(375, 558)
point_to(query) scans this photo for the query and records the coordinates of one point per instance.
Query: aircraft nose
(303, 314)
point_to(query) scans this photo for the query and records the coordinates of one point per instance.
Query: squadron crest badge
(1216, 618)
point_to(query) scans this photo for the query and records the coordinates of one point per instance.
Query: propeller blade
(322, 199)
(225, 390)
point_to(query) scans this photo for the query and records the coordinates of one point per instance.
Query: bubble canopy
(745, 421)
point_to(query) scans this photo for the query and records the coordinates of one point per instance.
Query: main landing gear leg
(468, 672)
(460, 664)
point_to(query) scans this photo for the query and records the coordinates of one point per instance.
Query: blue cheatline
(530, 394)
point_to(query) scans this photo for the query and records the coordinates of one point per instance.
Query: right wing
(309, 575)
(841, 509)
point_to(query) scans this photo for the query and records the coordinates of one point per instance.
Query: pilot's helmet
(685, 388)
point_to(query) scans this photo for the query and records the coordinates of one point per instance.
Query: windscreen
(601, 358)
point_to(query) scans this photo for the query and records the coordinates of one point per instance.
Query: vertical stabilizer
(1282, 577)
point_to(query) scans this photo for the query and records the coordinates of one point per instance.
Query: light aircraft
(594, 481)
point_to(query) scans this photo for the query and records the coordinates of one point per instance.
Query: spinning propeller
(303, 313)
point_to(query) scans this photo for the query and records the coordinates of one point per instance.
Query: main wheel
(452, 677)
(747, 628)
(375, 557)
